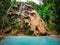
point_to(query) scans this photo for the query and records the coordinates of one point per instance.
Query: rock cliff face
(25, 18)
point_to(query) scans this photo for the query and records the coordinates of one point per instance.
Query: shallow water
(27, 40)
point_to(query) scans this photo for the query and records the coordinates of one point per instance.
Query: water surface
(27, 40)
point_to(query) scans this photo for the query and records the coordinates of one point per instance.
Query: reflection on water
(27, 40)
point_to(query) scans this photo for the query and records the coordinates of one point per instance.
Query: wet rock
(27, 15)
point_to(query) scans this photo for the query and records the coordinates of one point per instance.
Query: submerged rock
(25, 18)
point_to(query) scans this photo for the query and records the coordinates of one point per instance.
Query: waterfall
(36, 1)
(20, 8)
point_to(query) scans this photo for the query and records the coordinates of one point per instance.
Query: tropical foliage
(48, 12)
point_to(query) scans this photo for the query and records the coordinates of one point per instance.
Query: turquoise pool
(27, 40)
